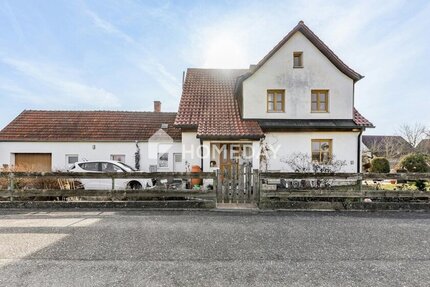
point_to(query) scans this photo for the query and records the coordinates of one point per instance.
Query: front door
(178, 165)
(228, 156)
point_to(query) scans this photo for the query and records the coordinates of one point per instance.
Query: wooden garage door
(33, 161)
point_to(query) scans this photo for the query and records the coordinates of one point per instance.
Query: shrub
(415, 162)
(380, 165)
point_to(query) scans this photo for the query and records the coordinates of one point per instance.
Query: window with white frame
(71, 159)
(118, 157)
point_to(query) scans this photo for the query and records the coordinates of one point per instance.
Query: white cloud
(139, 56)
(65, 91)
(108, 27)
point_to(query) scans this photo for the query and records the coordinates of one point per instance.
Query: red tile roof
(88, 126)
(361, 121)
(208, 104)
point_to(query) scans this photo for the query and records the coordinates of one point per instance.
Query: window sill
(320, 112)
(275, 112)
(298, 67)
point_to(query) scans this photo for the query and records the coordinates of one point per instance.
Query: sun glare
(224, 51)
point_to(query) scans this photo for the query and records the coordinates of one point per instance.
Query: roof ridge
(218, 69)
(94, 111)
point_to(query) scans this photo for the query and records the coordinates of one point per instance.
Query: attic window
(298, 60)
(164, 126)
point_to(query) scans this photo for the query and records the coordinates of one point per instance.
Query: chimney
(157, 106)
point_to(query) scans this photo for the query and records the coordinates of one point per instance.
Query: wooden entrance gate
(238, 183)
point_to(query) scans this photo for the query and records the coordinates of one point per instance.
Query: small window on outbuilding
(71, 158)
(118, 157)
(298, 60)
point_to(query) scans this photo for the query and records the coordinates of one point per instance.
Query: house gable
(276, 72)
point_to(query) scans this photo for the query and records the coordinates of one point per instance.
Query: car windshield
(127, 166)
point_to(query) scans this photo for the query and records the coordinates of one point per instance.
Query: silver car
(109, 166)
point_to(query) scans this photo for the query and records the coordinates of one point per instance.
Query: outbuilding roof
(75, 126)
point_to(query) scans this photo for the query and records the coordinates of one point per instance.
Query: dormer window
(298, 60)
(275, 101)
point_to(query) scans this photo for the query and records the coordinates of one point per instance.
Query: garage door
(33, 161)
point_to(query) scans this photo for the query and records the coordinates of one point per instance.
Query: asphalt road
(144, 248)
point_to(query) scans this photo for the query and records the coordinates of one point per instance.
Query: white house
(299, 99)
(53, 140)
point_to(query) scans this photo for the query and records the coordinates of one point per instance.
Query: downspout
(359, 151)
(201, 153)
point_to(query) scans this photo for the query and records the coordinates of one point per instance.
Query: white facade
(318, 73)
(91, 151)
(284, 144)
(191, 149)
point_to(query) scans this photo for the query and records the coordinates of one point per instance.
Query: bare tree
(389, 147)
(301, 162)
(413, 133)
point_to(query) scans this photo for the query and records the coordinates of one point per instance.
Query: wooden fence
(241, 185)
(53, 186)
(341, 186)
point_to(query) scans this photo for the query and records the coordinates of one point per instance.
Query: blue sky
(123, 55)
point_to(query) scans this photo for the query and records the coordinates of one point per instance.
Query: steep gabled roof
(318, 43)
(76, 126)
(210, 97)
(208, 105)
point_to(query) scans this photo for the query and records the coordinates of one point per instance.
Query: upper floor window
(275, 100)
(322, 150)
(319, 101)
(298, 59)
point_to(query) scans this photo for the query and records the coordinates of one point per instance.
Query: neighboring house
(391, 147)
(53, 140)
(386, 146)
(298, 99)
(424, 146)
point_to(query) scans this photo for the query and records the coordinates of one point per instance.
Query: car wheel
(134, 185)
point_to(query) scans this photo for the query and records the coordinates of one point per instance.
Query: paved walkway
(143, 248)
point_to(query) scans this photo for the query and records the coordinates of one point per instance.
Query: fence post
(113, 187)
(218, 189)
(256, 186)
(113, 183)
(11, 185)
(360, 186)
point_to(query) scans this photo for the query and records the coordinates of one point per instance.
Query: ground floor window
(163, 159)
(118, 157)
(71, 159)
(322, 150)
